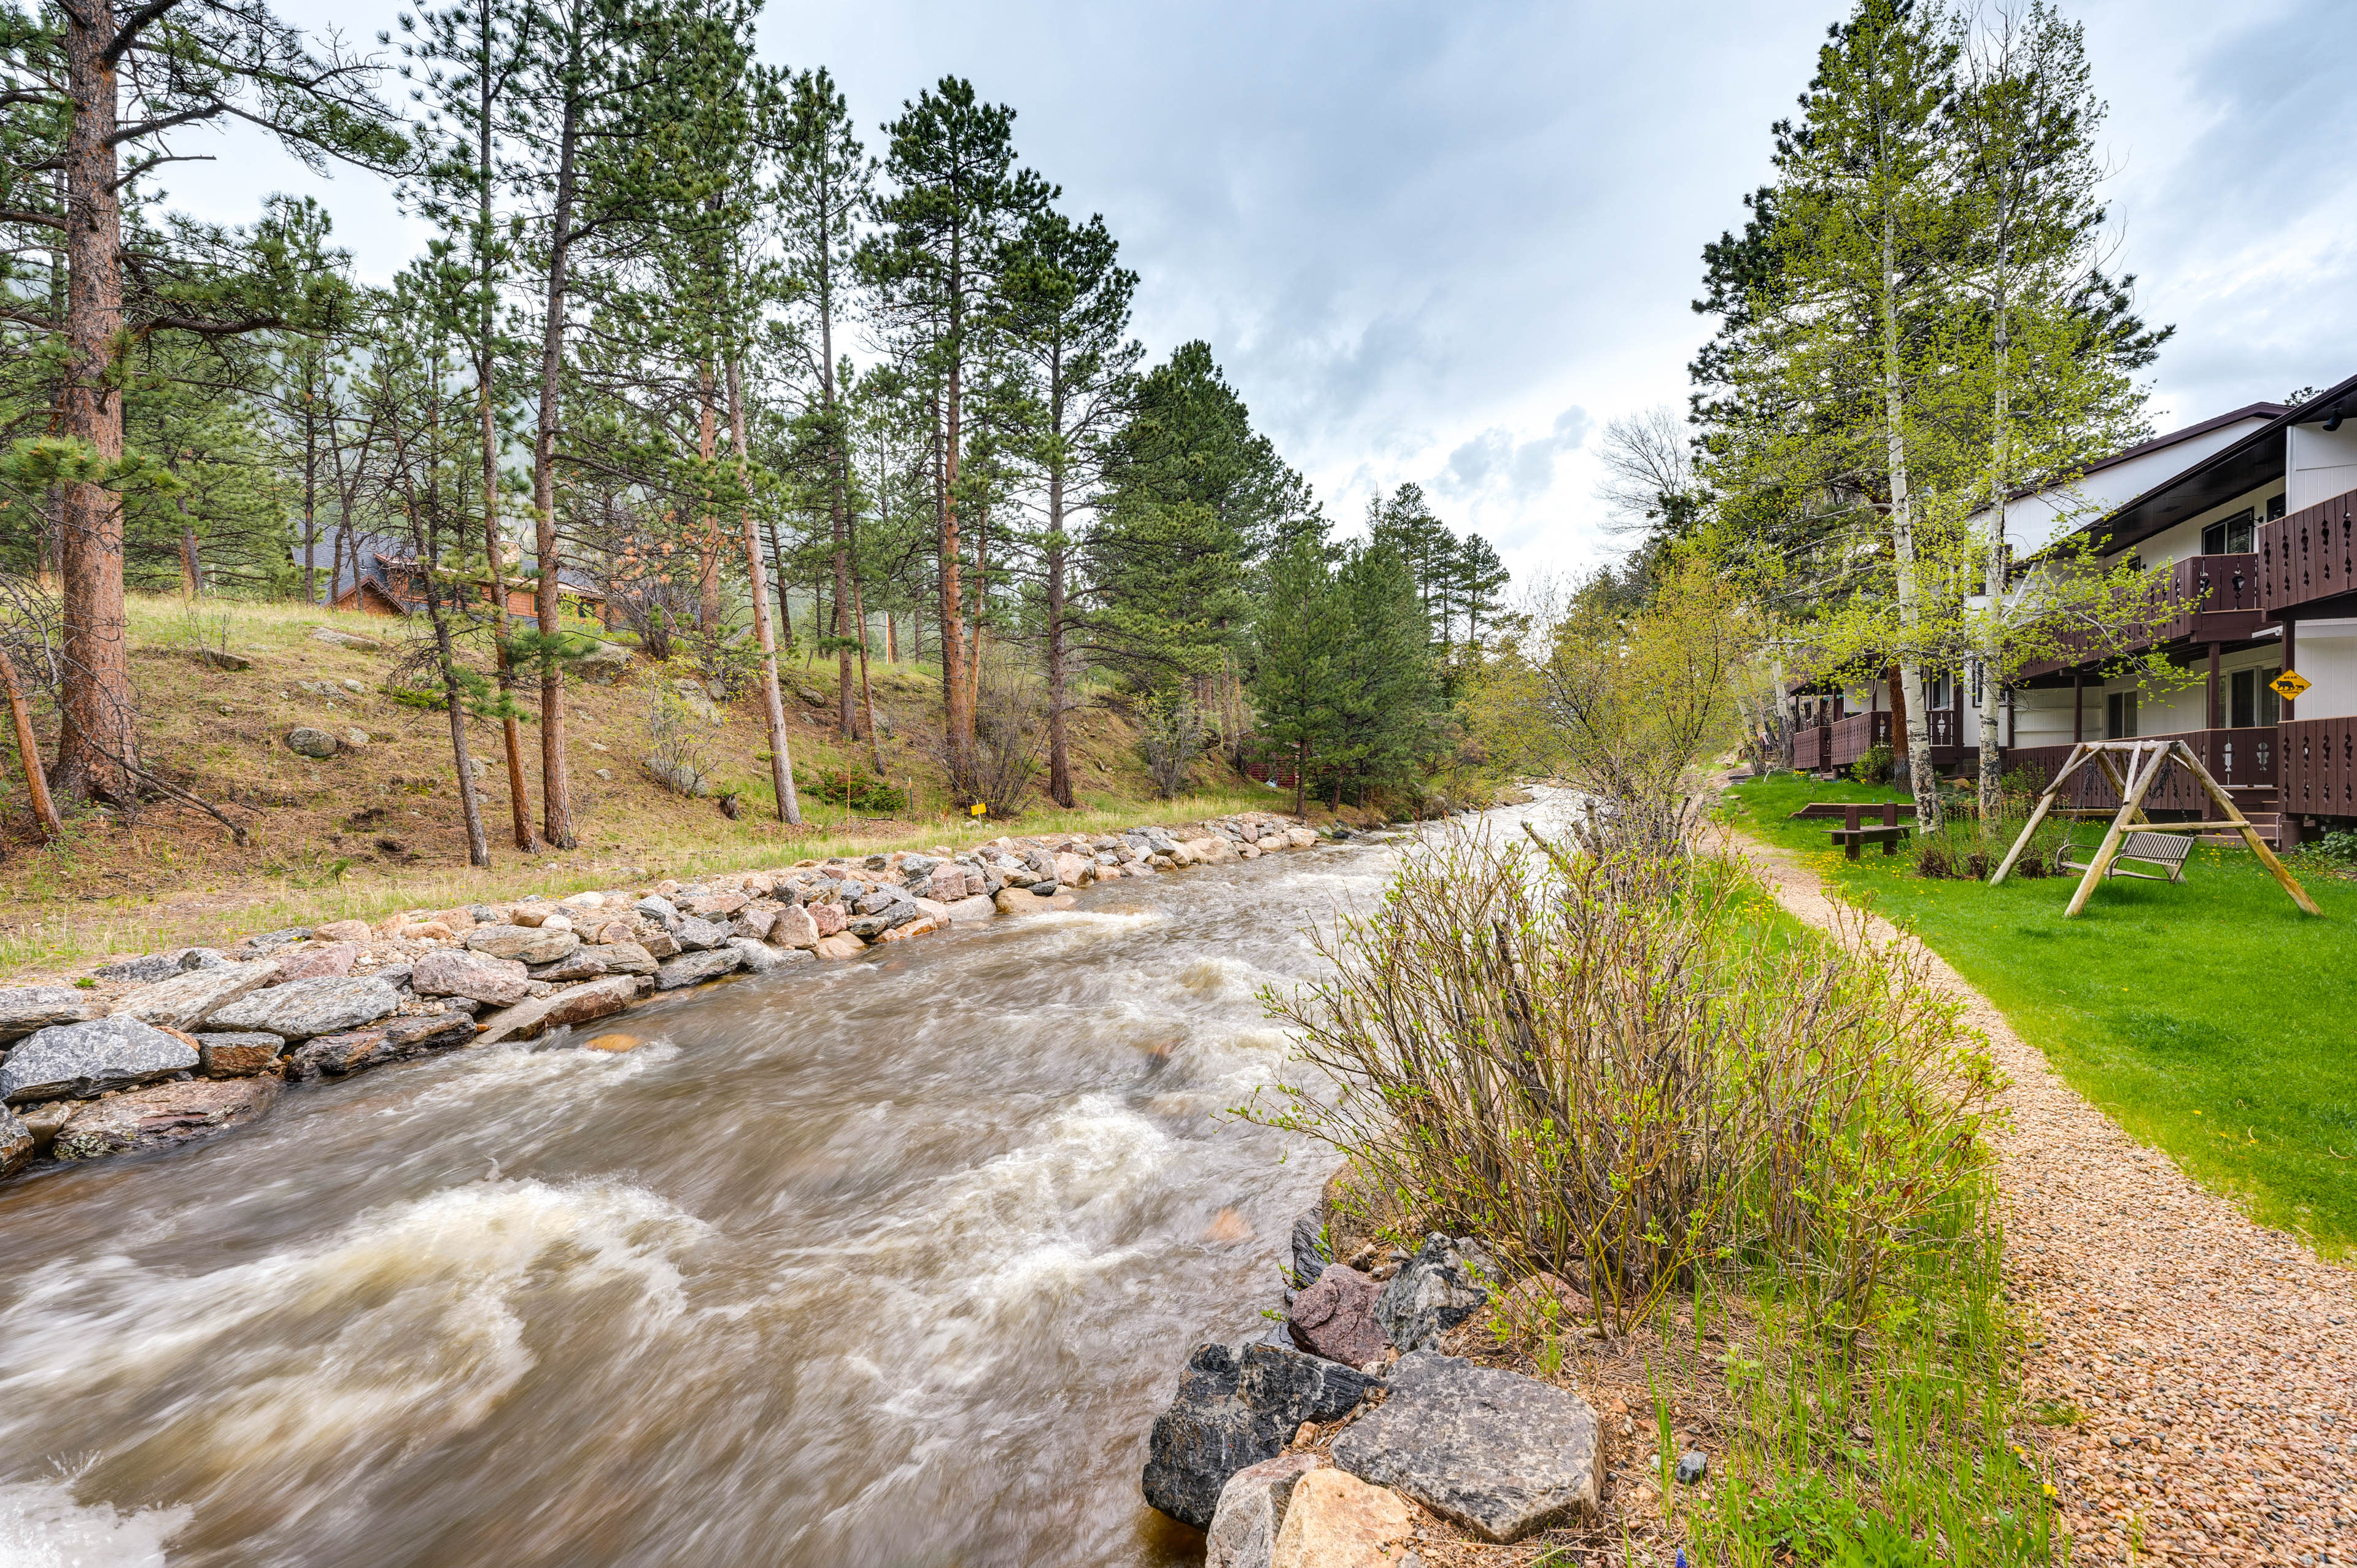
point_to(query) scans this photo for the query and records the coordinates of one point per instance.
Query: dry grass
(376, 830)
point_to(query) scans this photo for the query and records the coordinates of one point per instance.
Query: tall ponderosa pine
(1299, 633)
(956, 200)
(98, 85)
(1067, 318)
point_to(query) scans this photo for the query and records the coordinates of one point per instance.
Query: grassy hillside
(377, 828)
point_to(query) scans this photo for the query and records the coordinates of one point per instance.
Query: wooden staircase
(2258, 803)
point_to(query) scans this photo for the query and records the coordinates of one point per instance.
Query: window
(2270, 704)
(2230, 535)
(1938, 694)
(2274, 508)
(2243, 698)
(2120, 716)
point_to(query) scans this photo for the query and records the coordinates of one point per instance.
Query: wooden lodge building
(2254, 514)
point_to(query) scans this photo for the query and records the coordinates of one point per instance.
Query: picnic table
(1888, 833)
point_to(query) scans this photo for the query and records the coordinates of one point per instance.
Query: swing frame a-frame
(2144, 759)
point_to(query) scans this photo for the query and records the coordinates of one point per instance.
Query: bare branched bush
(1010, 739)
(1630, 1088)
(1171, 736)
(679, 740)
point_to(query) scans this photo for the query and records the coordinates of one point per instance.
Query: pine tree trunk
(555, 788)
(707, 544)
(97, 665)
(781, 766)
(1059, 753)
(866, 695)
(485, 374)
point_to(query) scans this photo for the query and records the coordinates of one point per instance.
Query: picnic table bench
(1888, 833)
(1841, 809)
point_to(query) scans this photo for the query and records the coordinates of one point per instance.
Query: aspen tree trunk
(781, 766)
(555, 786)
(97, 676)
(494, 546)
(1991, 630)
(1920, 779)
(29, 753)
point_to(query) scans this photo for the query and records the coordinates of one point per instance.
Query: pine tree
(1299, 633)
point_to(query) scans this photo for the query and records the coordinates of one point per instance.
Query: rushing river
(887, 1264)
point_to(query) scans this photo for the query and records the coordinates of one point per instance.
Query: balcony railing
(2319, 766)
(2238, 758)
(1850, 738)
(2226, 589)
(2309, 554)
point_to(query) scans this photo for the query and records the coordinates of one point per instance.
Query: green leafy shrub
(1634, 1075)
(1875, 766)
(853, 789)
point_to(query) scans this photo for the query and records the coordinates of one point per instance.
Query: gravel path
(2214, 1360)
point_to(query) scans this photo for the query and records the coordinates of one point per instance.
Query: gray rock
(29, 1007)
(696, 935)
(1693, 1465)
(677, 777)
(575, 1005)
(660, 944)
(15, 1143)
(1252, 1511)
(159, 1117)
(1231, 1412)
(334, 1055)
(795, 927)
(1335, 1317)
(755, 923)
(1432, 1293)
(479, 977)
(694, 968)
(660, 910)
(303, 1008)
(624, 957)
(145, 970)
(974, 911)
(88, 1058)
(190, 997)
(304, 741)
(760, 958)
(525, 944)
(1310, 1251)
(346, 639)
(484, 915)
(271, 941)
(604, 664)
(1501, 1454)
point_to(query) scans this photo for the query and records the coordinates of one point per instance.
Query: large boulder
(1231, 1412)
(578, 1004)
(717, 905)
(1501, 1455)
(843, 944)
(303, 1008)
(1245, 1525)
(695, 934)
(189, 998)
(88, 1058)
(27, 1008)
(1335, 1317)
(304, 741)
(973, 911)
(316, 960)
(238, 1054)
(16, 1147)
(525, 944)
(494, 981)
(793, 928)
(1336, 1521)
(166, 1114)
(334, 1055)
(1432, 1293)
(694, 968)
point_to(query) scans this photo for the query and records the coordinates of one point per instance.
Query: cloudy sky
(1446, 243)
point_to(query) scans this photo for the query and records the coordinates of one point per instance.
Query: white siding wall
(2037, 521)
(2326, 653)
(2174, 544)
(2319, 465)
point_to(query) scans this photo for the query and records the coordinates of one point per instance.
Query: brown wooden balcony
(2319, 766)
(2229, 607)
(2250, 758)
(1848, 739)
(2309, 554)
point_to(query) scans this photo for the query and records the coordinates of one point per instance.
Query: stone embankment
(1346, 1438)
(174, 1045)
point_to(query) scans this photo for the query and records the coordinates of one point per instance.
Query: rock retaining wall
(170, 1047)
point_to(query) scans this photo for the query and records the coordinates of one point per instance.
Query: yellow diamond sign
(2291, 684)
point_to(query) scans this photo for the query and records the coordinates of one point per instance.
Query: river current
(886, 1264)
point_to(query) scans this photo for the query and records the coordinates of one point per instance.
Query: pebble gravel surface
(2195, 1373)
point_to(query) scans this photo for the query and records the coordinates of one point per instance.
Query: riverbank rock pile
(167, 1047)
(1497, 1455)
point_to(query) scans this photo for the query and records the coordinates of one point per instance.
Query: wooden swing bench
(2167, 851)
(2132, 767)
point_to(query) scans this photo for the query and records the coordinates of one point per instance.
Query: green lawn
(2211, 1019)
